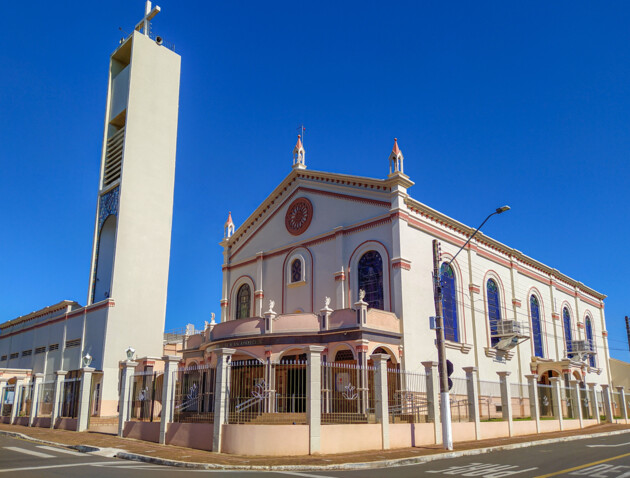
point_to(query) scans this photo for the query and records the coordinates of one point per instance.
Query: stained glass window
(296, 270)
(494, 310)
(449, 303)
(371, 279)
(589, 338)
(243, 302)
(566, 321)
(534, 307)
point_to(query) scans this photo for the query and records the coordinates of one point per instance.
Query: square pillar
(38, 378)
(607, 402)
(594, 402)
(84, 399)
(575, 391)
(472, 375)
(557, 400)
(314, 396)
(60, 376)
(17, 398)
(381, 396)
(168, 393)
(221, 395)
(624, 407)
(3, 387)
(128, 367)
(433, 392)
(534, 407)
(506, 399)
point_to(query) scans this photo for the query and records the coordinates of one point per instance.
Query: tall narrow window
(534, 307)
(449, 303)
(494, 310)
(371, 279)
(568, 340)
(589, 339)
(296, 270)
(243, 302)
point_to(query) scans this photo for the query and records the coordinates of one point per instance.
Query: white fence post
(17, 399)
(3, 386)
(473, 398)
(37, 382)
(381, 396)
(221, 395)
(433, 393)
(607, 402)
(314, 396)
(84, 399)
(622, 399)
(577, 406)
(557, 400)
(534, 407)
(128, 367)
(506, 399)
(594, 401)
(168, 392)
(60, 376)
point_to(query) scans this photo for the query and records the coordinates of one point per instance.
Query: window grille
(73, 343)
(53, 347)
(296, 271)
(26, 353)
(113, 157)
(40, 350)
(15, 355)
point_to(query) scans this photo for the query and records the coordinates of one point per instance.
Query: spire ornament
(228, 228)
(298, 154)
(396, 160)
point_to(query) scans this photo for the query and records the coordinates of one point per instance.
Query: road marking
(28, 452)
(295, 473)
(61, 450)
(485, 470)
(610, 446)
(48, 467)
(584, 466)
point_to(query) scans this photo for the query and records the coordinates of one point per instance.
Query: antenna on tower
(301, 128)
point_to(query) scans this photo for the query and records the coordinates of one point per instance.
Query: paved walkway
(169, 452)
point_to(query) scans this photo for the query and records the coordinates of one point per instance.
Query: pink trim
(555, 316)
(284, 266)
(401, 264)
(474, 288)
(253, 303)
(340, 276)
(388, 266)
(516, 302)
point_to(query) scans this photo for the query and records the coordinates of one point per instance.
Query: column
(577, 406)
(38, 378)
(381, 396)
(473, 399)
(128, 367)
(607, 402)
(362, 375)
(506, 399)
(594, 402)
(221, 396)
(557, 400)
(624, 407)
(60, 376)
(3, 386)
(433, 393)
(84, 399)
(168, 393)
(534, 408)
(17, 397)
(340, 276)
(314, 396)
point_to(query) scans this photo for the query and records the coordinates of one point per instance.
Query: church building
(346, 262)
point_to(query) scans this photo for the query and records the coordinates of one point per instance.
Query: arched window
(494, 310)
(589, 339)
(449, 303)
(568, 341)
(243, 302)
(296, 271)
(536, 328)
(371, 279)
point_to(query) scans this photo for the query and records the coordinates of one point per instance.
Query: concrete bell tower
(132, 231)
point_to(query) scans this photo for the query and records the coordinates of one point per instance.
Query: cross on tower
(149, 13)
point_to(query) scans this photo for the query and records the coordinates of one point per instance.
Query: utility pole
(445, 408)
(628, 330)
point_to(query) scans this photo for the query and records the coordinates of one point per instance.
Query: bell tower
(132, 231)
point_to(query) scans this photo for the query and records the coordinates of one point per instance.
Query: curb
(340, 466)
(365, 465)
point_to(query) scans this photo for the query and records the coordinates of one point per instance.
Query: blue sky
(519, 103)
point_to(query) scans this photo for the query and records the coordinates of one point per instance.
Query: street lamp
(447, 433)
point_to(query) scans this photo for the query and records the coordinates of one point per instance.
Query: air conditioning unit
(508, 327)
(580, 346)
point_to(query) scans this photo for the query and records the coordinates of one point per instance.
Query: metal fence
(490, 407)
(25, 400)
(45, 399)
(407, 397)
(249, 391)
(69, 400)
(458, 395)
(146, 396)
(585, 403)
(347, 393)
(7, 400)
(519, 393)
(615, 401)
(194, 394)
(569, 403)
(545, 400)
(600, 404)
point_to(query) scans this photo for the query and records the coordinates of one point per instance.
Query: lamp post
(447, 435)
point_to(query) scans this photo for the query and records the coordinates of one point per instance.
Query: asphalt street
(607, 457)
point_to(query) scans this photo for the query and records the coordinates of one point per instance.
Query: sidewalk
(189, 455)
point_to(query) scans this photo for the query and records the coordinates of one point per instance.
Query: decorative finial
(228, 229)
(326, 302)
(212, 322)
(272, 304)
(361, 295)
(298, 154)
(396, 159)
